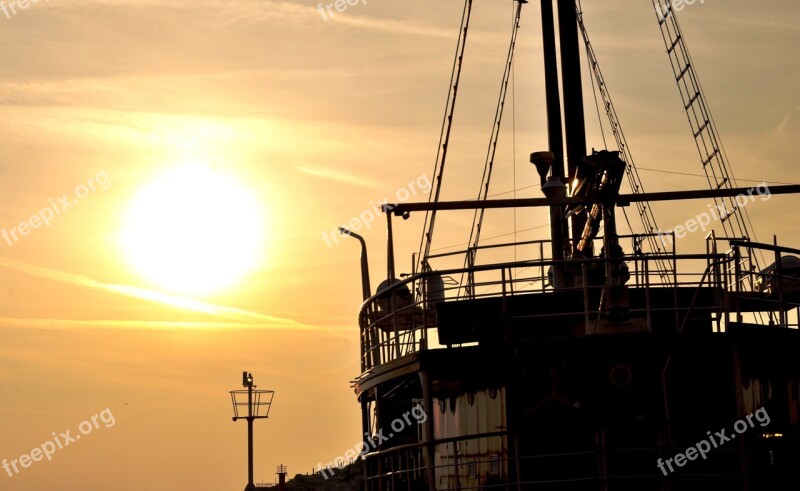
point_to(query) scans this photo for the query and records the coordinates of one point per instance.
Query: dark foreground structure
(632, 368)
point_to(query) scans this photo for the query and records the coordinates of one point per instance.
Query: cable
(444, 135)
(490, 238)
(596, 102)
(703, 176)
(483, 191)
(644, 209)
(514, 191)
(514, 136)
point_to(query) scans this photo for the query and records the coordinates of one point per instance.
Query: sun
(194, 230)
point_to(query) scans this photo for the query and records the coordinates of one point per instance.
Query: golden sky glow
(234, 138)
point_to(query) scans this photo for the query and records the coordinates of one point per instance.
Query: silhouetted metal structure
(251, 405)
(281, 477)
(574, 370)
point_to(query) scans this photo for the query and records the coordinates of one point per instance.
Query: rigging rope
(644, 209)
(483, 191)
(444, 136)
(514, 135)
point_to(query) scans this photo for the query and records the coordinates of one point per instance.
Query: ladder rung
(700, 130)
(674, 44)
(729, 214)
(664, 13)
(710, 157)
(691, 101)
(724, 182)
(683, 72)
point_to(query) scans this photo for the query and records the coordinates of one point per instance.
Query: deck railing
(402, 319)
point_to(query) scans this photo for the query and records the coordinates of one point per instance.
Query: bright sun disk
(194, 230)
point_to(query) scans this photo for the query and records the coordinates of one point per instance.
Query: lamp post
(258, 403)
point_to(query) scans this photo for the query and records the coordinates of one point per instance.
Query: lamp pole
(249, 384)
(258, 403)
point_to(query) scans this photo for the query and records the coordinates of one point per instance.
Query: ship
(591, 361)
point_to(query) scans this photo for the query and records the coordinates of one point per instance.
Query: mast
(574, 124)
(555, 135)
(553, 161)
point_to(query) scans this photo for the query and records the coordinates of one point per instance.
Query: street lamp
(252, 405)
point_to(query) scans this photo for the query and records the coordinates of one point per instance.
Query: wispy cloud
(758, 23)
(339, 176)
(787, 121)
(394, 26)
(43, 323)
(235, 316)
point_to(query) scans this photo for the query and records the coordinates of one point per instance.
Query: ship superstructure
(595, 361)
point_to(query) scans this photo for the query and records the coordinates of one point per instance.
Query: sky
(172, 174)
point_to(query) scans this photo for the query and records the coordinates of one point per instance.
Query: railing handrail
(410, 279)
(393, 326)
(762, 246)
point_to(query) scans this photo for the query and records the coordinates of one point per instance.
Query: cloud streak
(235, 317)
(339, 176)
(137, 325)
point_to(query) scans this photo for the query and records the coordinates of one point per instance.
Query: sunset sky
(172, 173)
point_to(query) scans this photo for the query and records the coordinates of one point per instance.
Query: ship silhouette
(594, 361)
